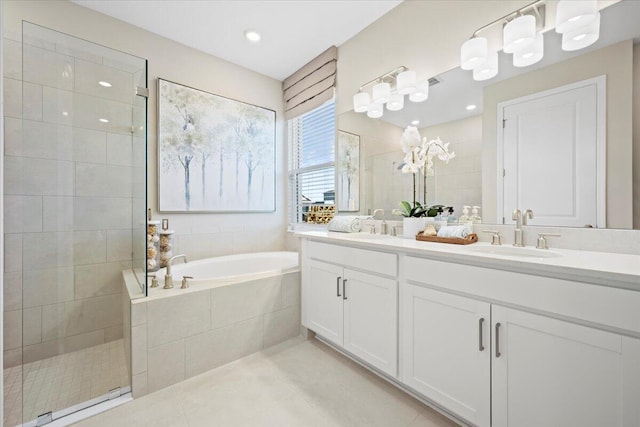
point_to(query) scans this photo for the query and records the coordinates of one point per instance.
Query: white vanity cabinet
(446, 351)
(548, 372)
(353, 309)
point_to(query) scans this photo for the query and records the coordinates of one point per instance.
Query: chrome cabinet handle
(480, 340)
(338, 286)
(497, 339)
(344, 288)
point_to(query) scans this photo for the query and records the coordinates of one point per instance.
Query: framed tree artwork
(215, 154)
(348, 172)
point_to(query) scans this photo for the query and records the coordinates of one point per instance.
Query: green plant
(417, 210)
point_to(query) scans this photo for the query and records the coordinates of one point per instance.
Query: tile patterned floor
(62, 381)
(298, 383)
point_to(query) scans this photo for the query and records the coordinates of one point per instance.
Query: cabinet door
(445, 350)
(324, 301)
(547, 372)
(371, 319)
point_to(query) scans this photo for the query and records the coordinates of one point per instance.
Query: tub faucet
(168, 279)
(517, 237)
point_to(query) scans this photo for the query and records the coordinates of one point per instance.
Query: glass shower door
(75, 204)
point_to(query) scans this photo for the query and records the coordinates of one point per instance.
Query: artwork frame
(231, 143)
(348, 172)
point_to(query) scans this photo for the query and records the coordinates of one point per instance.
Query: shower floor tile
(62, 381)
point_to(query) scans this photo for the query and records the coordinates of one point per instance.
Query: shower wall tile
(89, 145)
(48, 286)
(12, 59)
(57, 213)
(48, 250)
(48, 177)
(98, 279)
(119, 245)
(31, 101)
(12, 329)
(12, 290)
(47, 68)
(12, 101)
(90, 179)
(55, 102)
(46, 140)
(47, 349)
(139, 349)
(88, 74)
(81, 316)
(32, 325)
(12, 252)
(11, 358)
(94, 213)
(119, 150)
(22, 213)
(89, 247)
(13, 180)
(118, 181)
(12, 136)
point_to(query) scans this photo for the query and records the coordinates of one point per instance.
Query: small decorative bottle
(166, 243)
(464, 218)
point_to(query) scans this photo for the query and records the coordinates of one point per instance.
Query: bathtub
(212, 272)
(235, 305)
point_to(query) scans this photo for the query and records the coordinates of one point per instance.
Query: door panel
(446, 351)
(324, 304)
(556, 373)
(550, 151)
(371, 319)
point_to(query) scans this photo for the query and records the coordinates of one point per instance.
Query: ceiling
(293, 31)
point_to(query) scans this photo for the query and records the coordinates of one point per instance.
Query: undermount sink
(513, 251)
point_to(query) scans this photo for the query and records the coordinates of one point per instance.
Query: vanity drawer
(361, 259)
(604, 305)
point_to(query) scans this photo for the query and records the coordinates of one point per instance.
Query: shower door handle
(338, 286)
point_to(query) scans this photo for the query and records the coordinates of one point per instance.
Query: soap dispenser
(451, 218)
(464, 218)
(475, 215)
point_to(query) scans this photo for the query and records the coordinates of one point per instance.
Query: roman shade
(312, 85)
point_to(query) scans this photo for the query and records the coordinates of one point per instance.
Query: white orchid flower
(410, 139)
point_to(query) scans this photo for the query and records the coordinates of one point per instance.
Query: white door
(550, 147)
(446, 351)
(324, 301)
(547, 372)
(371, 319)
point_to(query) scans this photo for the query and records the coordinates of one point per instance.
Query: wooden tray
(471, 238)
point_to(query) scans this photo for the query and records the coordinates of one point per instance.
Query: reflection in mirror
(476, 134)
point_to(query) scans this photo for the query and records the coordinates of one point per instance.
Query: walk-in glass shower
(74, 212)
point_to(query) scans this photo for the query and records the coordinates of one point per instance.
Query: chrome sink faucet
(168, 279)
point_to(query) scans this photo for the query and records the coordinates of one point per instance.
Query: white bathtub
(211, 272)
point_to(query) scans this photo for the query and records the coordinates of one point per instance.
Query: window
(311, 165)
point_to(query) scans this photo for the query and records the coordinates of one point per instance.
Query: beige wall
(616, 63)
(636, 136)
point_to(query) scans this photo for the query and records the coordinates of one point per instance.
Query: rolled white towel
(345, 224)
(460, 231)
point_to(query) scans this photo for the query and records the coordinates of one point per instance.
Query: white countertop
(602, 268)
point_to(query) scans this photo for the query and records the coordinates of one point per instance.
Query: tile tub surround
(296, 383)
(183, 335)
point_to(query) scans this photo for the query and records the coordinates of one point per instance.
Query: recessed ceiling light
(471, 107)
(65, 113)
(252, 35)
(415, 122)
(104, 120)
(104, 84)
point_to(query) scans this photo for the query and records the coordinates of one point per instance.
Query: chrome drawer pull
(497, 339)
(338, 286)
(480, 340)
